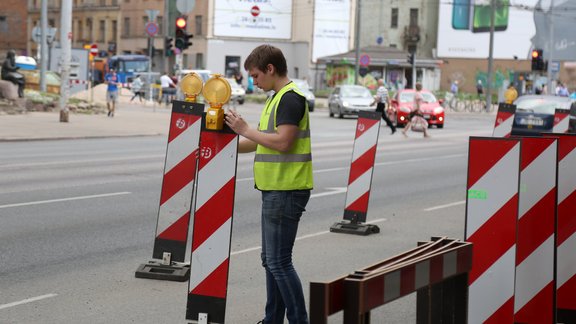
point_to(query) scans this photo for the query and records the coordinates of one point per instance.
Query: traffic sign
(151, 29)
(365, 60)
(94, 50)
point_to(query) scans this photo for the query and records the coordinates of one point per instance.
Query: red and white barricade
(534, 293)
(566, 230)
(504, 120)
(561, 120)
(212, 227)
(360, 177)
(176, 194)
(491, 215)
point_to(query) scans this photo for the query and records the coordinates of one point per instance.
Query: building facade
(13, 27)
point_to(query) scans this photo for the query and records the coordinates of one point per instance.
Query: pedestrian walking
(416, 117)
(479, 89)
(111, 80)
(137, 88)
(383, 104)
(283, 174)
(168, 88)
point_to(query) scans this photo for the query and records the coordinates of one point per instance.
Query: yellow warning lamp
(217, 92)
(191, 86)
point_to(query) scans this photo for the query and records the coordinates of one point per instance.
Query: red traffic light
(535, 53)
(181, 22)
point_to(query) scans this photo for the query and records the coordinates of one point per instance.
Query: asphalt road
(78, 217)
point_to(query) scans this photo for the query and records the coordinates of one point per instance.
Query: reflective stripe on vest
(274, 170)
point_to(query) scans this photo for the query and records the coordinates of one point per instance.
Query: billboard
(519, 27)
(331, 28)
(253, 18)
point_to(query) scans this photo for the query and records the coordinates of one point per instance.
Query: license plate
(426, 116)
(531, 122)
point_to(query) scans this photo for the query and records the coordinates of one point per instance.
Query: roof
(379, 56)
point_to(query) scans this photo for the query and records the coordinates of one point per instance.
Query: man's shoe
(393, 131)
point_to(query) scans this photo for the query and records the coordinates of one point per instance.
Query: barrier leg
(353, 313)
(318, 303)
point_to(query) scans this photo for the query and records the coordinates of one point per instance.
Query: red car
(403, 104)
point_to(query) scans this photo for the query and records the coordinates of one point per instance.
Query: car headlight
(438, 110)
(345, 104)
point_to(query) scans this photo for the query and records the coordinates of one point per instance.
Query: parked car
(349, 100)
(535, 113)
(238, 93)
(306, 91)
(403, 104)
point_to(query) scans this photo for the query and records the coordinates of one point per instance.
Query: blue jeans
(281, 211)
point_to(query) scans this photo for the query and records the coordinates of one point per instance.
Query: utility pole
(43, 44)
(357, 42)
(550, 51)
(490, 58)
(65, 40)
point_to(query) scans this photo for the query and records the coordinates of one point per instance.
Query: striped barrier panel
(491, 216)
(212, 229)
(451, 262)
(176, 194)
(561, 120)
(534, 292)
(566, 230)
(504, 120)
(360, 177)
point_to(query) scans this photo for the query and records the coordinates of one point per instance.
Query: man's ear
(270, 68)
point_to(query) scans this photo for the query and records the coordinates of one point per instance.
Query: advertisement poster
(519, 27)
(331, 28)
(253, 18)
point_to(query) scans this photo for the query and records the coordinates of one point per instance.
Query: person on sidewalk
(137, 89)
(111, 80)
(168, 88)
(283, 173)
(383, 104)
(416, 117)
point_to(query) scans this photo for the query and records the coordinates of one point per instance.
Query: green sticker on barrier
(477, 194)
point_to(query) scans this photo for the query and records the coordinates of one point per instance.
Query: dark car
(535, 113)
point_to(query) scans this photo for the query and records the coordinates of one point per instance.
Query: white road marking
(332, 191)
(40, 202)
(26, 301)
(446, 205)
(256, 248)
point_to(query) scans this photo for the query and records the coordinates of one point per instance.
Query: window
(199, 61)
(198, 24)
(144, 22)
(160, 22)
(102, 2)
(114, 30)
(102, 31)
(394, 18)
(126, 29)
(413, 17)
(80, 30)
(90, 35)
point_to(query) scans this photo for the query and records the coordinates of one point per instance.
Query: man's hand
(235, 121)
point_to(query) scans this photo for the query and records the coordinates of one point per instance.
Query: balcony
(411, 35)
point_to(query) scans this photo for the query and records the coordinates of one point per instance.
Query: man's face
(262, 79)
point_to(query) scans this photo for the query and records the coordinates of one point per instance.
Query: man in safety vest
(283, 173)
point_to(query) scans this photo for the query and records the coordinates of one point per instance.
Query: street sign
(365, 60)
(152, 13)
(185, 6)
(94, 50)
(37, 33)
(151, 29)
(555, 66)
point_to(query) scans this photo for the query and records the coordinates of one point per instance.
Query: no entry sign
(151, 29)
(94, 50)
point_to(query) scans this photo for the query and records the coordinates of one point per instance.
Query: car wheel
(340, 114)
(241, 101)
(440, 126)
(330, 113)
(310, 108)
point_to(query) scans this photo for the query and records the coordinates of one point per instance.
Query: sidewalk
(129, 120)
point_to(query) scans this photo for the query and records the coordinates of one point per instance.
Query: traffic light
(537, 60)
(168, 46)
(411, 58)
(182, 41)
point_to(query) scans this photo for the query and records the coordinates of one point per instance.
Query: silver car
(306, 91)
(349, 99)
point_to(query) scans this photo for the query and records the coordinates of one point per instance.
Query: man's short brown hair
(266, 54)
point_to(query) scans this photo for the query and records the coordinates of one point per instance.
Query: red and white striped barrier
(566, 230)
(76, 81)
(212, 228)
(561, 120)
(491, 216)
(176, 194)
(534, 293)
(504, 120)
(360, 177)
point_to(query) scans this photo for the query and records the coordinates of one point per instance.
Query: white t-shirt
(382, 93)
(165, 81)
